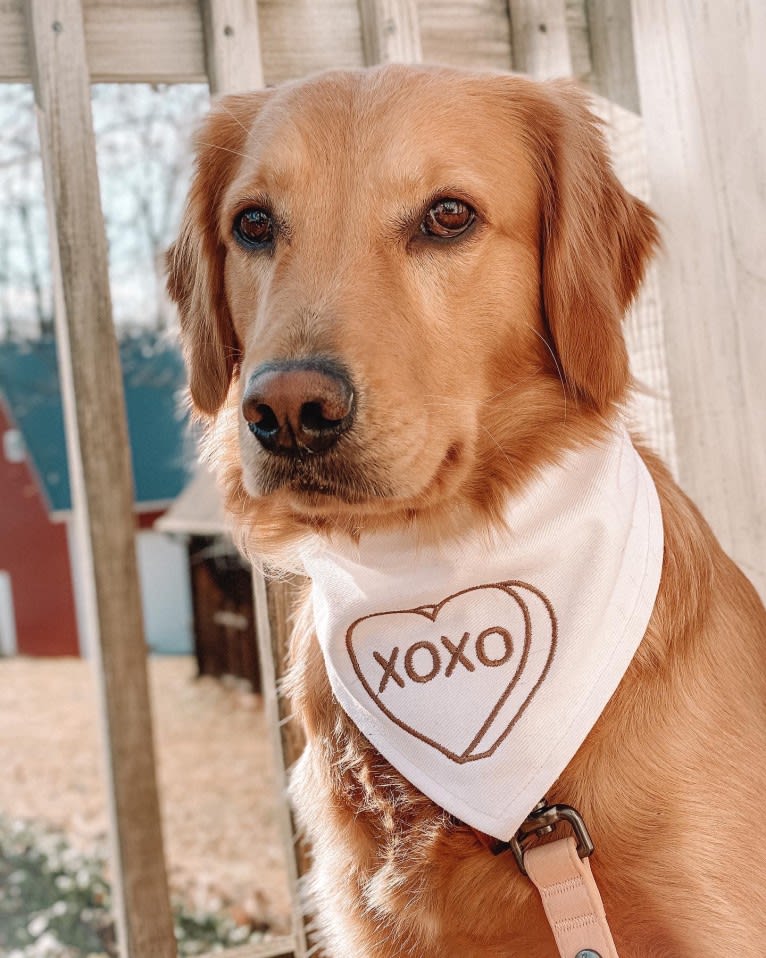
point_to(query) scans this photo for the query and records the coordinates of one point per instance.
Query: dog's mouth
(329, 485)
(316, 480)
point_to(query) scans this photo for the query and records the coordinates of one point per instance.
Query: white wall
(163, 570)
(7, 617)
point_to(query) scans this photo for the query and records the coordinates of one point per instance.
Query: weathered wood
(466, 33)
(234, 64)
(613, 72)
(232, 45)
(162, 40)
(157, 40)
(650, 410)
(275, 948)
(275, 603)
(540, 38)
(99, 461)
(579, 40)
(390, 31)
(701, 79)
(300, 37)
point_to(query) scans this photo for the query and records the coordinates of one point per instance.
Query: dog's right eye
(254, 228)
(447, 219)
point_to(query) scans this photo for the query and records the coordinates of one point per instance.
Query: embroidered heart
(458, 675)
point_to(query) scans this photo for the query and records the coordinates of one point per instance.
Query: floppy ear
(196, 259)
(597, 240)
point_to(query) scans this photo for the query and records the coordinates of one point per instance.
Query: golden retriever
(444, 258)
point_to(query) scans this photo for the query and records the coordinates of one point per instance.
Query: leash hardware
(543, 820)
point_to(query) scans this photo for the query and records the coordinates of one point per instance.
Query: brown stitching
(509, 588)
(481, 652)
(456, 651)
(389, 669)
(436, 662)
(514, 681)
(431, 612)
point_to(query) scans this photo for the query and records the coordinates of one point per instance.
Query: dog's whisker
(234, 117)
(564, 383)
(226, 149)
(502, 451)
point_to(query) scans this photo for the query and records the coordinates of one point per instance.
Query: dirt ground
(215, 772)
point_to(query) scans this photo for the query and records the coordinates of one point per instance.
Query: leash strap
(571, 900)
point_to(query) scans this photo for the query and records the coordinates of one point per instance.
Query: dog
(400, 295)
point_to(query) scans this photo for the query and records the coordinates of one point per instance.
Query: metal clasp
(543, 820)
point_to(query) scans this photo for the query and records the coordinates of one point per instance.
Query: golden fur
(476, 362)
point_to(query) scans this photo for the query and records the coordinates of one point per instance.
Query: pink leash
(561, 873)
(571, 900)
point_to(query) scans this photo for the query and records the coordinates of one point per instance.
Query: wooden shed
(225, 642)
(681, 80)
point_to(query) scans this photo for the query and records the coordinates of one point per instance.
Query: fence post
(611, 51)
(390, 31)
(701, 77)
(234, 65)
(540, 38)
(99, 462)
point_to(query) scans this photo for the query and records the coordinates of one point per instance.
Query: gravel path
(215, 771)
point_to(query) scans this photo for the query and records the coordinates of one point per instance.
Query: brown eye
(447, 218)
(254, 228)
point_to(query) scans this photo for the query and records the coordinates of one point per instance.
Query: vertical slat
(613, 63)
(234, 62)
(99, 459)
(701, 79)
(275, 602)
(232, 45)
(539, 38)
(579, 39)
(390, 31)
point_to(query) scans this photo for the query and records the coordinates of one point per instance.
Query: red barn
(40, 571)
(34, 559)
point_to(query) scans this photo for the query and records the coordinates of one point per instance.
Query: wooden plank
(234, 61)
(301, 37)
(99, 461)
(14, 53)
(275, 948)
(466, 33)
(613, 73)
(162, 40)
(540, 38)
(151, 40)
(275, 603)
(390, 31)
(579, 39)
(232, 45)
(649, 410)
(701, 79)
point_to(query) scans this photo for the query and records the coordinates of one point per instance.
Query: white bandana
(478, 668)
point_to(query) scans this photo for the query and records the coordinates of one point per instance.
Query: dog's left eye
(447, 218)
(254, 228)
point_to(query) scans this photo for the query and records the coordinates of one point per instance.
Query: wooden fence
(693, 69)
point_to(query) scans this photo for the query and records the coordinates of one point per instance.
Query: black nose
(298, 407)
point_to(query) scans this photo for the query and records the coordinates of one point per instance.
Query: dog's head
(401, 289)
